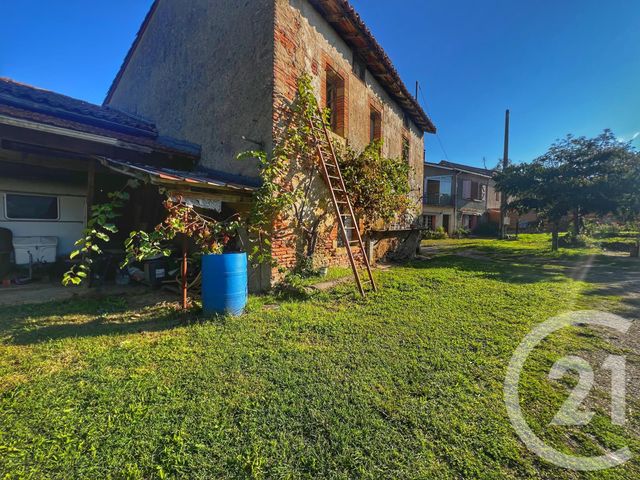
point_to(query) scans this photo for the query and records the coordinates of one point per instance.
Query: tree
(537, 187)
(629, 211)
(577, 176)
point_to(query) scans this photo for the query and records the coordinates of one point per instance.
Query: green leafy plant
(287, 176)
(378, 186)
(211, 236)
(437, 234)
(461, 232)
(100, 227)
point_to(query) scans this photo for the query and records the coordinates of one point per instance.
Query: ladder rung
(333, 177)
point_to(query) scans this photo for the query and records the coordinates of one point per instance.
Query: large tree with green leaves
(576, 176)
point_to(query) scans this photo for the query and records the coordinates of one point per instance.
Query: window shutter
(466, 189)
(474, 191)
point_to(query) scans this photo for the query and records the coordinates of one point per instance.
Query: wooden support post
(185, 300)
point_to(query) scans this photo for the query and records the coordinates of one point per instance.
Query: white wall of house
(72, 204)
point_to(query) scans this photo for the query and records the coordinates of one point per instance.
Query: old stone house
(218, 72)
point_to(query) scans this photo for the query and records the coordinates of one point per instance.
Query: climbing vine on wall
(378, 186)
(287, 177)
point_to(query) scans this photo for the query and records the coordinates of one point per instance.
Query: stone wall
(202, 71)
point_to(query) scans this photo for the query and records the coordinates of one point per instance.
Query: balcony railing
(437, 199)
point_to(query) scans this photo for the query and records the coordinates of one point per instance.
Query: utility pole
(417, 88)
(505, 164)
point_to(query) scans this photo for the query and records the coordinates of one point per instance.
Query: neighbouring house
(221, 73)
(203, 81)
(458, 196)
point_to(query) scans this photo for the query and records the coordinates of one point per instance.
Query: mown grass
(406, 383)
(539, 245)
(532, 244)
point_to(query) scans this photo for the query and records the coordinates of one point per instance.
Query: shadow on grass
(504, 271)
(605, 275)
(31, 324)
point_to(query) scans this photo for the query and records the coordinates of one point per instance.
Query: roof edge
(456, 169)
(419, 116)
(132, 49)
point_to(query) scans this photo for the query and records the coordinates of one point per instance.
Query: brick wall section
(305, 42)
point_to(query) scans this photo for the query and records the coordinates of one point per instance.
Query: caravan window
(31, 207)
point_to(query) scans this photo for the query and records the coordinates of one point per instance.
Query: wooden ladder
(340, 198)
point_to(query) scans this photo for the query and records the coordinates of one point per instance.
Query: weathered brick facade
(219, 73)
(306, 43)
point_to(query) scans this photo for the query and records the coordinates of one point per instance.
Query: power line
(424, 105)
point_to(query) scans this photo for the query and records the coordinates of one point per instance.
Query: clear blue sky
(560, 65)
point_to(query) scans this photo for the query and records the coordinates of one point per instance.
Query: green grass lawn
(539, 245)
(532, 244)
(406, 383)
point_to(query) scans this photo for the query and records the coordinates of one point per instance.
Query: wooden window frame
(339, 113)
(375, 123)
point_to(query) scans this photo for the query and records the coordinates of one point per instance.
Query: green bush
(461, 232)
(437, 234)
(602, 230)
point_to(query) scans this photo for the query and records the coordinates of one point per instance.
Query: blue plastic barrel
(224, 283)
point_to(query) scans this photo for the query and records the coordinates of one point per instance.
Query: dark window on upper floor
(474, 190)
(375, 124)
(335, 101)
(359, 66)
(405, 121)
